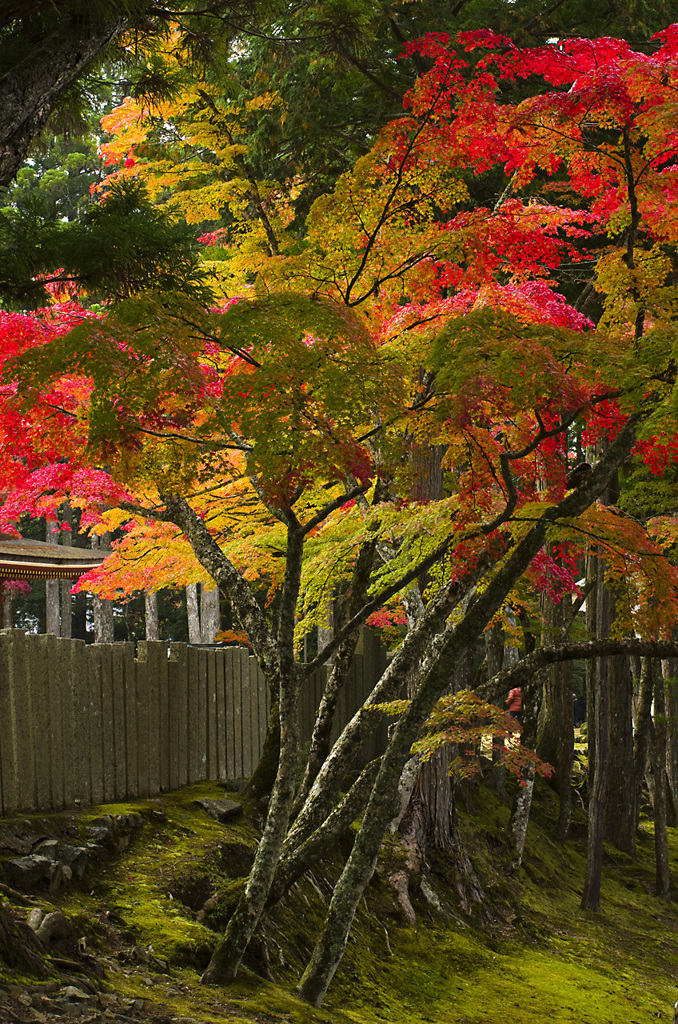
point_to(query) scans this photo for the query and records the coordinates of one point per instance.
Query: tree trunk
(522, 802)
(620, 818)
(341, 667)
(641, 739)
(661, 845)
(29, 92)
(262, 780)
(16, 947)
(671, 698)
(598, 789)
(494, 657)
(592, 666)
(210, 620)
(66, 596)
(102, 608)
(151, 615)
(7, 609)
(52, 588)
(193, 612)
(555, 739)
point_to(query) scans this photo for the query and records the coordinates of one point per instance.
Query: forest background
(365, 327)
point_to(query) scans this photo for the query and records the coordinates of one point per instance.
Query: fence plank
(155, 651)
(9, 790)
(131, 737)
(53, 698)
(64, 669)
(96, 722)
(104, 652)
(142, 718)
(232, 664)
(162, 675)
(193, 716)
(179, 714)
(117, 663)
(86, 724)
(246, 715)
(220, 680)
(201, 762)
(240, 660)
(212, 765)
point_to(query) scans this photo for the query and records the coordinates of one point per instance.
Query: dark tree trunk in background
(193, 613)
(641, 739)
(598, 787)
(661, 845)
(671, 699)
(52, 587)
(210, 620)
(555, 734)
(522, 803)
(592, 666)
(494, 657)
(151, 615)
(66, 597)
(620, 818)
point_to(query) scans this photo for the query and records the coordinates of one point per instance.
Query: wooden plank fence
(82, 725)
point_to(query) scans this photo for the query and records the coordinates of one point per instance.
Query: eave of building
(39, 560)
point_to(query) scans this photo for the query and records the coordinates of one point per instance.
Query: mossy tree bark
(15, 947)
(444, 651)
(343, 659)
(230, 950)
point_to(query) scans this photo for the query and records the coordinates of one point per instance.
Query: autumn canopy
(439, 397)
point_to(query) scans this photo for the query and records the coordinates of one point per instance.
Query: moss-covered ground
(151, 915)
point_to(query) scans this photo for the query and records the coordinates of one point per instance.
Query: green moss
(540, 958)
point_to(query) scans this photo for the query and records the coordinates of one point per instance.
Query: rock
(56, 928)
(104, 821)
(47, 848)
(75, 858)
(99, 833)
(121, 843)
(222, 810)
(232, 785)
(71, 992)
(57, 876)
(25, 873)
(35, 918)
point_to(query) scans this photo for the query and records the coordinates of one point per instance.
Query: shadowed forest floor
(148, 918)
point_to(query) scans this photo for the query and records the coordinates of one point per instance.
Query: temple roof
(38, 560)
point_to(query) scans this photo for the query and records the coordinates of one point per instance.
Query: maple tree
(278, 435)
